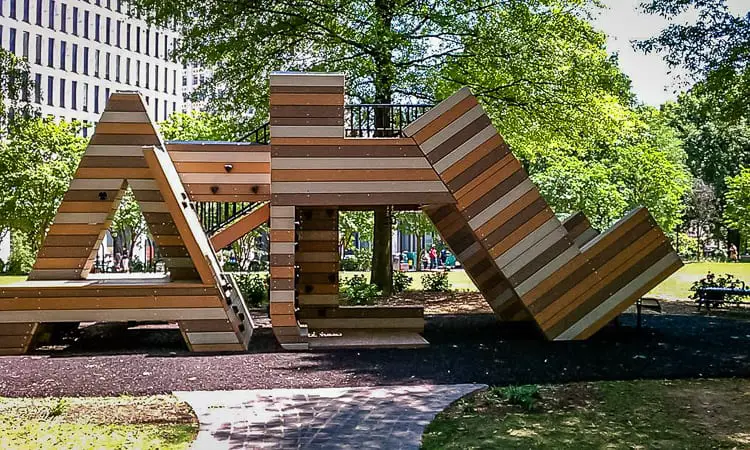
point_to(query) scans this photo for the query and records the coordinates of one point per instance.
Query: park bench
(651, 304)
(715, 297)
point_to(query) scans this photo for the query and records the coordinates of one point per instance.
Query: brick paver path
(388, 417)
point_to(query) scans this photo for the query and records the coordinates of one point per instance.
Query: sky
(623, 23)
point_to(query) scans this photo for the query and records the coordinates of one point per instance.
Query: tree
(15, 92)
(701, 211)
(37, 162)
(128, 225)
(715, 49)
(737, 214)
(200, 126)
(418, 224)
(351, 222)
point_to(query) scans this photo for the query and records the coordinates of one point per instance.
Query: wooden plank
(246, 224)
(219, 167)
(16, 329)
(355, 175)
(220, 157)
(346, 151)
(349, 163)
(306, 99)
(211, 337)
(218, 348)
(112, 315)
(359, 200)
(196, 326)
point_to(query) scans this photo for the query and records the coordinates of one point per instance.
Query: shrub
(524, 396)
(21, 258)
(711, 280)
(349, 264)
(358, 291)
(401, 281)
(436, 282)
(363, 257)
(253, 287)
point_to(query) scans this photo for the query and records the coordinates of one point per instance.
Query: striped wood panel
(223, 171)
(307, 105)
(15, 338)
(533, 250)
(287, 330)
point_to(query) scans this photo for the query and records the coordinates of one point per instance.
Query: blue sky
(623, 22)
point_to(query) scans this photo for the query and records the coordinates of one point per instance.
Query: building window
(38, 88)
(156, 46)
(50, 52)
(166, 51)
(39, 12)
(85, 60)
(62, 54)
(148, 41)
(119, 6)
(75, 21)
(12, 40)
(106, 96)
(107, 30)
(106, 65)
(165, 110)
(127, 70)
(26, 11)
(96, 99)
(63, 17)
(74, 58)
(38, 49)
(137, 73)
(127, 36)
(166, 80)
(97, 27)
(74, 94)
(96, 63)
(174, 81)
(26, 44)
(117, 68)
(138, 39)
(156, 109)
(86, 24)
(148, 73)
(156, 77)
(51, 22)
(118, 38)
(12, 9)
(50, 87)
(85, 96)
(62, 93)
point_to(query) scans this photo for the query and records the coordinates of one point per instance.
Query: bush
(358, 291)
(436, 282)
(364, 258)
(253, 287)
(21, 258)
(401, 281)
(524, 396)
(688, 248)
(711, 280)
(349, 264)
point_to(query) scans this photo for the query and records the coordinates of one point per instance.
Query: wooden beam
(246, 224)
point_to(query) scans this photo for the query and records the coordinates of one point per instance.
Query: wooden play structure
(450, 162)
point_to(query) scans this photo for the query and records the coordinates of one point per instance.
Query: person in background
(425, 260)
(433, 257)
(733, 253)
(443, 256)
(125, 263)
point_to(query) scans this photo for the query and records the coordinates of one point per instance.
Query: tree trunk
(418, 259)
(382, 269)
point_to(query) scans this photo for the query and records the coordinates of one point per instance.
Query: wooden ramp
(247, 223)
(126, 150)
(570, 280)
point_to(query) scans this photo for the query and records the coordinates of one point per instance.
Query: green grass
(702, 414)
(675, 287)
(95, 423)
(8, 279)
(678, 285)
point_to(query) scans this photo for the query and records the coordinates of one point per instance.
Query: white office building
(81, 51)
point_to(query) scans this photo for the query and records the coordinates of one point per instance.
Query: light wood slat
(83, 218)
(436, 111)
(124, 117)
(219, 167)
(115, 151)
(112, 315)
(217, 337)
(96, 184)
(292, 187)
(349, 163)
(454, 127)
(464, 149)
(107, 302)
(306, 131)
(220, 157)
(344, 142)
(356, 175)
(306, 99)
(306, 79)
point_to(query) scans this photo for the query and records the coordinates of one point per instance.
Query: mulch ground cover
(465, 348)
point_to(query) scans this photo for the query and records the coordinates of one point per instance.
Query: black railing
(260, 135)
(215, 215)
(380, 120)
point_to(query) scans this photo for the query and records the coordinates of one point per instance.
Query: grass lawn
(156, 422)
(8, 279)
(675, 287)
(699, 414)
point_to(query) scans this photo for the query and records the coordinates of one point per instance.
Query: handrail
(215, 215)
(380, 119)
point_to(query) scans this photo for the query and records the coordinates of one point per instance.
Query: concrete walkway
(391, 417)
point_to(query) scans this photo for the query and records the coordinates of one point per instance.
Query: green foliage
(57, 408)
(401, 281)
(525, 396)
(128, 224)
(253, 287)
(357, 290)
(436, 282)
(37, 162)
(737, 213)
(359, 260)
(687, 247)
(21, 258)
(15, 93)
(200, 126)
(351, 222)
(415, 223)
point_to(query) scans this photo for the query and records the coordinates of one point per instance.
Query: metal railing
(260, 135)
(380, 120)
(215, 215)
